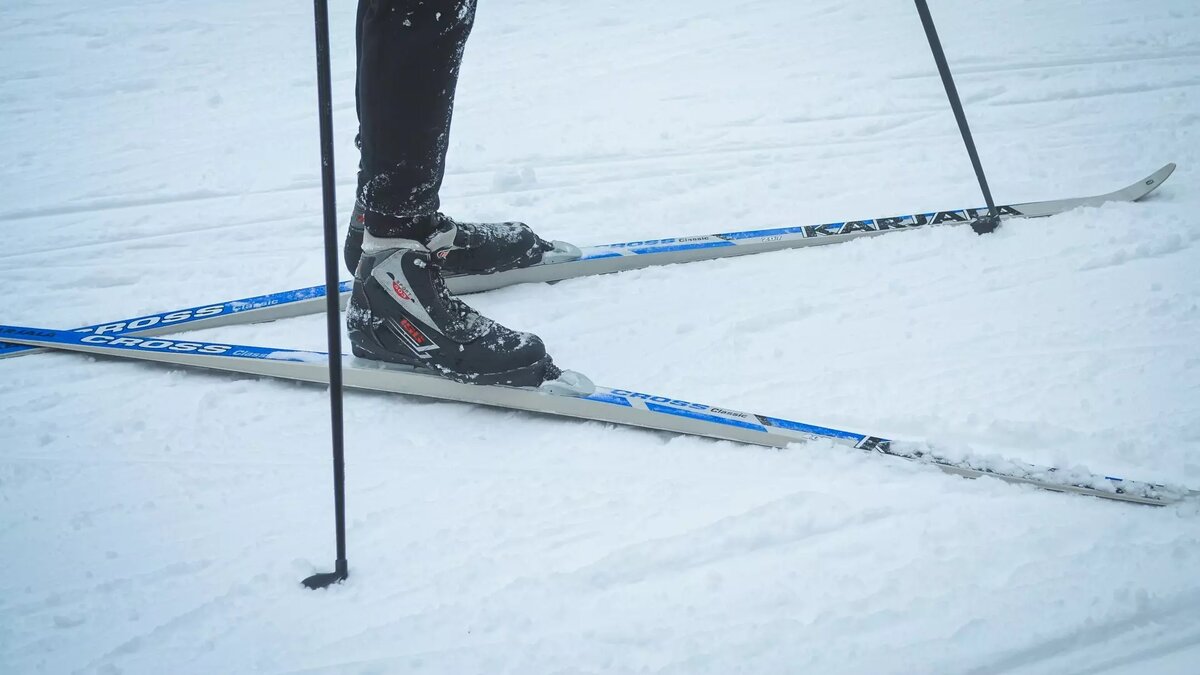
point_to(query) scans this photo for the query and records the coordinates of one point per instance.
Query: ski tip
(1150, 183)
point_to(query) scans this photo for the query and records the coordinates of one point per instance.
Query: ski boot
(401, 312)
(469, 248)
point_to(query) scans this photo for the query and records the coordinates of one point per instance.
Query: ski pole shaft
(332, 306)
(981, 225)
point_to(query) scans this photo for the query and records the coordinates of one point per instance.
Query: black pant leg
(409, 57)
(358, 28)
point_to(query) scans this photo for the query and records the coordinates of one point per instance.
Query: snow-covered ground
(161, 153)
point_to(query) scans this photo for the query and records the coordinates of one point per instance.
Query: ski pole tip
(326, 579)
(986, 223)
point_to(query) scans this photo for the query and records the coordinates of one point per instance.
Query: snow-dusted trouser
(409, 52)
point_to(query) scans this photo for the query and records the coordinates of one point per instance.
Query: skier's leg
(358, 27)
(400, 310)
(352, 249)
(409, 53)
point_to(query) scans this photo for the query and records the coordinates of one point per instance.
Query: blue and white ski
(588, 402)
(603, 259)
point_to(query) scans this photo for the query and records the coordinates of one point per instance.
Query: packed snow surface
(157, 154)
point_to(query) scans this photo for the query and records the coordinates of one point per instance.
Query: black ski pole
(985, 223)
(332, 307)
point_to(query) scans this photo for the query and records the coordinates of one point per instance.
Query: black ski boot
(469, 248)
(401, 312)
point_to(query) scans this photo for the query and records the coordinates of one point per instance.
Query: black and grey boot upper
(460, 248)
(400, 311)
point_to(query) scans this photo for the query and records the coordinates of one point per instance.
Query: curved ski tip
(563, 252)
(569, 383)
(1150, 183)
(1161, 174)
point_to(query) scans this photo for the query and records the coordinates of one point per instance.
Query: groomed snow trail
(159, 153)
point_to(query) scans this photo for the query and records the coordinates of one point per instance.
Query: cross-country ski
(605, 259)
(577, 397)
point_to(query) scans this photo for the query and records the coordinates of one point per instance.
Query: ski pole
(332, 308)
(985, 223)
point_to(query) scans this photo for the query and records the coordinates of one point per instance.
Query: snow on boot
(469, 248)
(401, 312)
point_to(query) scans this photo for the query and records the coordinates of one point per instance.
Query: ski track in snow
(159, 154)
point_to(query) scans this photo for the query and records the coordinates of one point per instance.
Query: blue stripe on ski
(184, 316)
(609, 397)
(697, 415)
(599, 255)
(153, 344)
(6, 349)
(811, 429)
(653, 247)
(681, 247)
(277, 298)
(754, 234)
